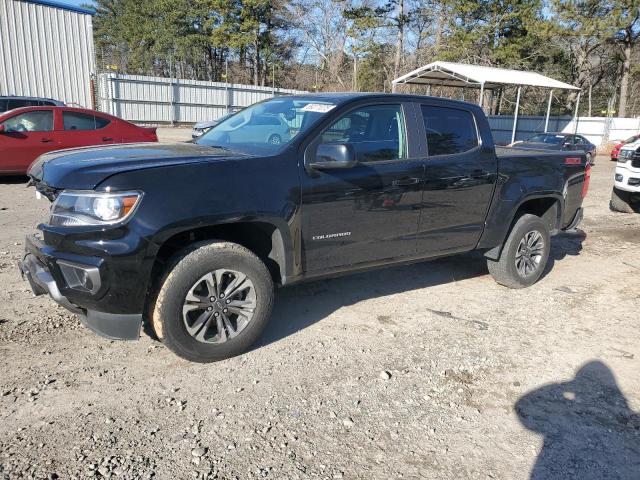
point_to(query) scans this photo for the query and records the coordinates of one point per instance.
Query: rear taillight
(587, 179)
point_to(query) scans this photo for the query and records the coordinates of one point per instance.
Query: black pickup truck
(193, 237)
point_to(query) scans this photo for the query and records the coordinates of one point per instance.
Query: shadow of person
(589, 431)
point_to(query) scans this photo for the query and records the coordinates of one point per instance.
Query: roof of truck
(342, 97)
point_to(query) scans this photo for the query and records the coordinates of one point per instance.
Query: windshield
(552, 139)
(266, 127)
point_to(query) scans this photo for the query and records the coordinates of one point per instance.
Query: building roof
(474, 76)
(63, 6)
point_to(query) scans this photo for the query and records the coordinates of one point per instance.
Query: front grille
(626, 154)
(635, 163)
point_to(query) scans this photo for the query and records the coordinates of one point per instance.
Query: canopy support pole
(515, 117)
(575, 115)
(546, 122)
(481, 97)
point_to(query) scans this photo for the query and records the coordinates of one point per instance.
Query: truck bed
(531, 174)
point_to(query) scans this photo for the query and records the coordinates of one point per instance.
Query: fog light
(83, 278)
(619, 177)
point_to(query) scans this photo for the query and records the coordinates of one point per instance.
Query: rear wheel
(214, 303)
(620, 201)
(590, 159)
(275, 139)
(524, 254)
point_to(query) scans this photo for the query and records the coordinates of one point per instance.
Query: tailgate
(577, 174)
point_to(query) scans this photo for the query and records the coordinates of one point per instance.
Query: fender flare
(495, 252)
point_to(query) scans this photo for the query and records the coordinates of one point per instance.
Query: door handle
(404, 182)
(107, 139)
(47, 140)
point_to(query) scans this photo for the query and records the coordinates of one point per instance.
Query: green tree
(627, 17)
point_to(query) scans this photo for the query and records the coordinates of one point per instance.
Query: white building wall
(46, 51)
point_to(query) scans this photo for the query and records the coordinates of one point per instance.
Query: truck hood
(84, 168)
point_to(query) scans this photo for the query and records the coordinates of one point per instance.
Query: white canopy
(449, 74)
(463, 75)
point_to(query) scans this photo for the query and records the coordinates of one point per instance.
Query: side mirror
(333, 156)
(2, 129)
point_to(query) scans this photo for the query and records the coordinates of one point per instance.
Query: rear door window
(449, 130)
(101, 122)
(80, 121)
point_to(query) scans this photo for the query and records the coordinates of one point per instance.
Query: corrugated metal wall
(46, 52)
(168, 100)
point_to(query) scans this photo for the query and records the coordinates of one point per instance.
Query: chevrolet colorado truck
(193, 237)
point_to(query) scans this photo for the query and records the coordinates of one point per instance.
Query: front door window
(36, 121)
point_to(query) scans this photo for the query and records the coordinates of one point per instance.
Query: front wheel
(620, 201)
(524, 254)
(214, 302)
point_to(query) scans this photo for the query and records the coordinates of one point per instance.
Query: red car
(26, 133)
(616, 148)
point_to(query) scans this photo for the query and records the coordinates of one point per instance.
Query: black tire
(590, 160)
(504, 271)
(186, 270)
(620, 201)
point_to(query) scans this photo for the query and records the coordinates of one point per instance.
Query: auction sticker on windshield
(317, 107)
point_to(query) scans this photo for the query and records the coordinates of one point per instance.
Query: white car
(201, 128)
(268, 128)
(626, 188)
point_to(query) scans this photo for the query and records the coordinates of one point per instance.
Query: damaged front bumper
(108, 325)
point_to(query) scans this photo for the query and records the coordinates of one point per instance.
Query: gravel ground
(423, 371)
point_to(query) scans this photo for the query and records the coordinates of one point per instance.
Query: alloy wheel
(219, 306)
(529, 253)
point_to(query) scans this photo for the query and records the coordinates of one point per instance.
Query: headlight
(77, 208)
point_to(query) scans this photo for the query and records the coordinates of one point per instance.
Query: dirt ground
(424, 371)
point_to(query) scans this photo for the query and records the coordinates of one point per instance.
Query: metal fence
(598, 130)
(160, 100)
